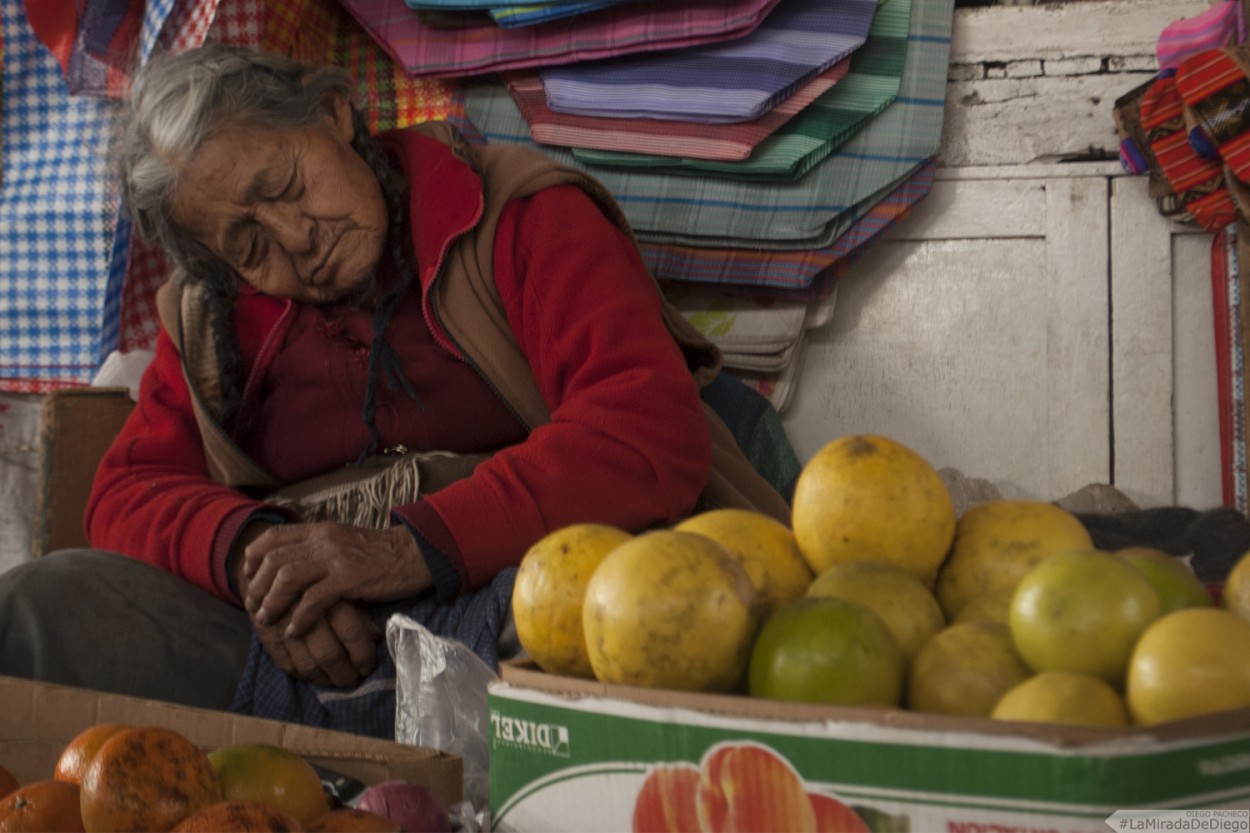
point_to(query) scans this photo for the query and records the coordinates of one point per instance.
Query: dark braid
(382, 357)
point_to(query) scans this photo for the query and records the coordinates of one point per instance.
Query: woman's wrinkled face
(297, 212)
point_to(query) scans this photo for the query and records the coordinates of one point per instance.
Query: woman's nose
(294, 231)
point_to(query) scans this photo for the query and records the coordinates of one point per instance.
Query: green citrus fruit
(827, 650)
(1082, 610)
(1174, 580)
(894, 593)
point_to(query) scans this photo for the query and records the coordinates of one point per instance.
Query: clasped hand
(304, 584)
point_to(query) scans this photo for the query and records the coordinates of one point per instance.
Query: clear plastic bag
(440, 703)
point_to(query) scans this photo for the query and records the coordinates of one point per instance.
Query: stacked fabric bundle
(1188, 130)
(754, 170)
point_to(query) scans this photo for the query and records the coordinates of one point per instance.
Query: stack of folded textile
(755, 168)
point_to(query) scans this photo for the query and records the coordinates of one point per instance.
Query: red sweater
(627, 443)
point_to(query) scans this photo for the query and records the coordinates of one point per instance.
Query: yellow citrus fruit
(765, 546)
(1188, 663)
(869, 497)
(992, 606)
(548, 592)
(1065, 697)
(902, 600)
(1174, 580)
(670, 609)
(1235, 596)
(1082, 610)
(997, 542)
(965, 669)
(274, 776)
(827, 650)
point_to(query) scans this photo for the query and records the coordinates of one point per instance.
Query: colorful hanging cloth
(735, 81)
(56, 217)
(632, 27)
(1221, 25)
(805, 214)
(869, 87)
(655, 137)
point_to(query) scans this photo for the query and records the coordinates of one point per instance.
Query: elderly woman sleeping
(389, 364)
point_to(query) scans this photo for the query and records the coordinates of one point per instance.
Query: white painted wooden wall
(1035, 321)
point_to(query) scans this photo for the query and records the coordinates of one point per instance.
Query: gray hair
(178, 102)
(181, 100)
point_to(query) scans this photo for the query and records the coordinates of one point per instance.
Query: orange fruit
(827, 650)
(1082, 610)
(670, 609)
(78, 752)
(866, 496)
(548, 593)
(765, 546)
(273, 775)
(146, 778)
(47, 806)
(1188, 663)
(238, 817)
(351, 820)
(8, 782)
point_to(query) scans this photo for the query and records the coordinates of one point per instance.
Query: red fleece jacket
(627, 443)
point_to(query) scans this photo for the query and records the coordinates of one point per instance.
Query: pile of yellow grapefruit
(877, 594)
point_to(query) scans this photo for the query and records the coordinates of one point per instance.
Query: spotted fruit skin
(670, 610)
(868, 496)
(146, 779)
(239, 817)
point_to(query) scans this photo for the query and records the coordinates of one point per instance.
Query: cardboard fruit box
(576, 755)
(38, 719)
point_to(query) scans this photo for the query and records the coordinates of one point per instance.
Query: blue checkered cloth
(475, 619)
(56, 216)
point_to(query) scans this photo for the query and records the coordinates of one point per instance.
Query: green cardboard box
(576, 755)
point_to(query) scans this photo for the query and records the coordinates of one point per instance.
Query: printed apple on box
(575, 755)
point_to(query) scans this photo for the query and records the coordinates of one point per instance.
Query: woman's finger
(330, 655)
(355, 629)
(311, 606)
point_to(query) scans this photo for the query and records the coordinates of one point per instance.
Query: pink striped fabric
(621, 30)
(729, 142)
(1221, 25)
